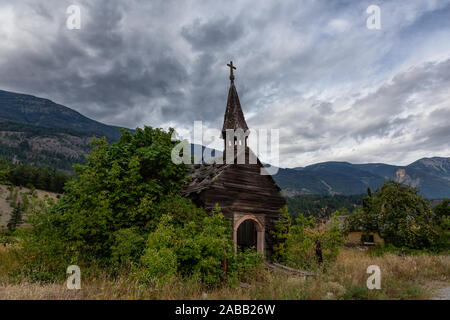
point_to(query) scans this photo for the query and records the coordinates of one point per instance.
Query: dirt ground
(442, 294)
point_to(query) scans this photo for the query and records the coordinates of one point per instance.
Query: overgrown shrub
(43, 253)
(399, 215)
(246, 265)
(280, 234)
(5, 236)
(199, 248)
(127, 247)
(307, 244)
(443, 239)
(16, 218)
(121, 186)
(123, 210)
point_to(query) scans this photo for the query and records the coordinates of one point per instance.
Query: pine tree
(367, 201)
(16, 218)
(280, 234)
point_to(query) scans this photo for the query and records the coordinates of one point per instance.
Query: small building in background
(368, 239)
(357, 237)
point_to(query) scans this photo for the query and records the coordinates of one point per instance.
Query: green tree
(199, 248)
(124, 209)
(306, 238)
(16, 217)
(127, 184)
(30, 175)
(400, 216)
(280, 234)
(442, 210)
(128, 246)
(442, 213)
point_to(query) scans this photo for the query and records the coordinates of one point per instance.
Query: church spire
(234, 117)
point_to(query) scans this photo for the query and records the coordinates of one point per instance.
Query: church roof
(234, 117)
(205, 175)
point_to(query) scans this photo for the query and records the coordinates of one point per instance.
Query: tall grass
(402, 277)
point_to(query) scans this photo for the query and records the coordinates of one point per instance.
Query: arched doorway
(248, 232)
(247, 235)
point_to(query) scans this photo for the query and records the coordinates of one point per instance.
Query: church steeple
(234, 117)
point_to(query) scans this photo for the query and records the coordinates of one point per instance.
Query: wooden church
(251, 200)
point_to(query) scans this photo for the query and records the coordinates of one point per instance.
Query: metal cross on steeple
(231, 70)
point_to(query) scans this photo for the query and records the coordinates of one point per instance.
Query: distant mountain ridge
(39, 131)
(430, 175)
(31, 110)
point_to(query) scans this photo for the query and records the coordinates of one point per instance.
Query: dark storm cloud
(212, 35)
(100, 69)
(337, 90)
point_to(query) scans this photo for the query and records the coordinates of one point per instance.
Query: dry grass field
(419, 276)
(402, 277)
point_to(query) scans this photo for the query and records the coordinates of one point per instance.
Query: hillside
(39, 131)
(30, 110)
(56, 148)
(7, 195)
(430, 175)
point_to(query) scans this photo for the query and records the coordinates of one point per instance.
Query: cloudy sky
(311, 68)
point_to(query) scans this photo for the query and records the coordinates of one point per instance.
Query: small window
(367, 238)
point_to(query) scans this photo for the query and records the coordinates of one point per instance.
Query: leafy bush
(443, 241)
(357, 292)
(399, 215)
(120, 187)
(280, 234)
(199, 248)
(43, 254)
(310, 242)
(306, 243)
(122, 191)
(442, 215)
(442, 211)
(16, 217)
(123, 209)
(158, 264)
(5, 236)
(128, 246)
(246, 266)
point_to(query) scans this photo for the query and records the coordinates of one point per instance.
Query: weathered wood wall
(242, 190)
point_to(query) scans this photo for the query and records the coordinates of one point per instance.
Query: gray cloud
(337, 90)
(212, 35)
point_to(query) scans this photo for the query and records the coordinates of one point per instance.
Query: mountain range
(39, 131)
(430, 175)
